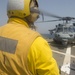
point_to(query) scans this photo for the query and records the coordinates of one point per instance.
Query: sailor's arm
(42, 61)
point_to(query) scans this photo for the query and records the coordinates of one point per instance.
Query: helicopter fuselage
(64, 34)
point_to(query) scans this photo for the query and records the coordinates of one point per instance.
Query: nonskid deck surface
(65, 57)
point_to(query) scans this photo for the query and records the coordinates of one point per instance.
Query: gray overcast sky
(61, 8)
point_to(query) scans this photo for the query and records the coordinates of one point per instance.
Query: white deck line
(66, 64)
(62, 53)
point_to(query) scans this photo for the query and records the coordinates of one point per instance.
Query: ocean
(47, 36)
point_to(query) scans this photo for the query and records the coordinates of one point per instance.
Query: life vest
(15, 41)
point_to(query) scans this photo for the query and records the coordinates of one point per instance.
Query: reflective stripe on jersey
(8, 45)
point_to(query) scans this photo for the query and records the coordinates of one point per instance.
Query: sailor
(22, 50)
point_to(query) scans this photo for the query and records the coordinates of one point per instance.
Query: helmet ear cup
(18, 8)
(34, 2)
(33, 15)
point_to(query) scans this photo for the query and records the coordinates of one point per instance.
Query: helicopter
(63, 33)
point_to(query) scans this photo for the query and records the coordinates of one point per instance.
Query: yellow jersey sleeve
(40, 59)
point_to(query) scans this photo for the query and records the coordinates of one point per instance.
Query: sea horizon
(47, 35)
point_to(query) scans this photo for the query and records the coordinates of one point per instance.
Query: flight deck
(65, 57)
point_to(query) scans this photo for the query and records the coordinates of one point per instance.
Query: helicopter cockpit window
(65, 29)
(71, 29)
(74, 29)
(59, 30)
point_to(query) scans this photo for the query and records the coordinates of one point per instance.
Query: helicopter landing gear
(56, 41)
(65, 43)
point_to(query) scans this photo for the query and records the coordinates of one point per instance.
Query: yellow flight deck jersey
(24, 52)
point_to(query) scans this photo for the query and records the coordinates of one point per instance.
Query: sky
(61, 8)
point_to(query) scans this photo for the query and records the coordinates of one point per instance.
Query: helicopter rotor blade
(47, 21)
(52, 29)
(49, 14)
(67, 18)
(44, 13)
(42, 17)
(41, 12)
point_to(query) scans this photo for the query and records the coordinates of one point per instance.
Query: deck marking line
(62, 53)
(66, 64)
